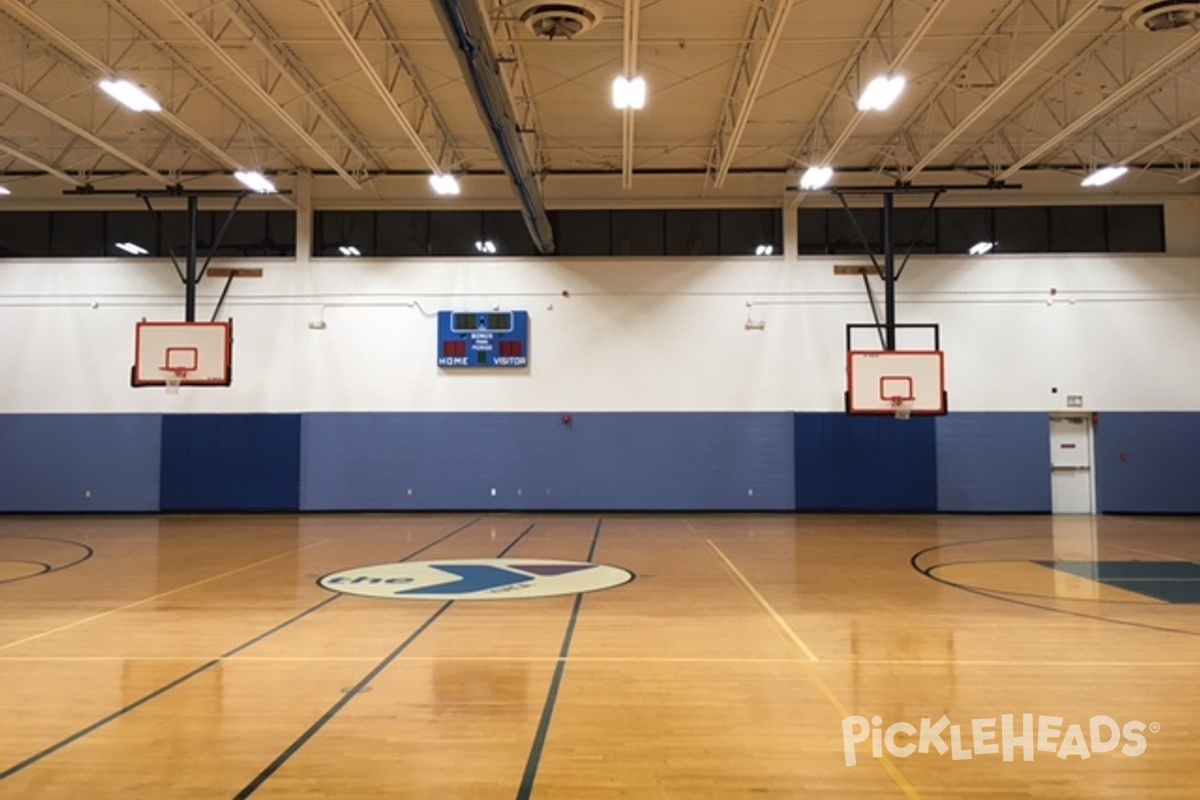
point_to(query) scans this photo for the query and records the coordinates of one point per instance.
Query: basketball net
(174, 378)
(901, 407)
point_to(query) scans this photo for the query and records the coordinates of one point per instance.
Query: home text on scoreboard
(483, 338)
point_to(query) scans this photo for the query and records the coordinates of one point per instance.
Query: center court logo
(476, 579)
(1027, 733)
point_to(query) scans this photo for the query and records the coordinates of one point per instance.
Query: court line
(607, 660)
(810, 669)
(915, 560)
(762, 601)
(88, 552)
(159, 596)
(197, 671)
(529, 776)
(312, 730)
(333, 710)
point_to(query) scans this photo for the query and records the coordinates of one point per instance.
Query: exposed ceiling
(370, 96)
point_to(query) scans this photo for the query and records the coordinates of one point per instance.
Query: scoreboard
(483, 339)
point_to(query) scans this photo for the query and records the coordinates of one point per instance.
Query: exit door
(1071, 465)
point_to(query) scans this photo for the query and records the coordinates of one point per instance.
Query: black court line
(44, 569)
(97, 725)
(928, 573)
(1013, 593)
(88, 552)
(324, 719)
(303, 739)
(529, 777)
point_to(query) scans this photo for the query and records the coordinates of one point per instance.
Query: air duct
(466, 29)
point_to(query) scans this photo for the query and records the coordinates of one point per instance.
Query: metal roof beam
(629, 54)
(264, 96)
(1019, 74)
(1115, 99)
(763, 31)
(58, 119)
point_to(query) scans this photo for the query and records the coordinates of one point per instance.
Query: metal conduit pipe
(467, 30)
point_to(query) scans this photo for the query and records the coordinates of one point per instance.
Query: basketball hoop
(901, 407)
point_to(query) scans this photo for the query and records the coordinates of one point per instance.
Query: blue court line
(59, 745)
(354, 691)
(539, 740)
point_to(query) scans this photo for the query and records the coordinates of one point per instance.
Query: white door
(1071, 464)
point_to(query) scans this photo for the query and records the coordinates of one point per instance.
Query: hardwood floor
(780, 656)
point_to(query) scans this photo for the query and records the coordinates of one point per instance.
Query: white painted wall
(664, 334)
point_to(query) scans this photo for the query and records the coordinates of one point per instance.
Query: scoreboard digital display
(483, 339)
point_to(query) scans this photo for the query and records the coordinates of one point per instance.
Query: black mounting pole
(889, 275)
(189, 278)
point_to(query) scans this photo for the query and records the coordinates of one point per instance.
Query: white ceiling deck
(370, 98)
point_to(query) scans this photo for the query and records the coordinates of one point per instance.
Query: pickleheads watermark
(1004, 737)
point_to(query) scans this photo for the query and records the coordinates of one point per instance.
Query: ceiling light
(255, 182)
(629, 92)
(349, 250)
(981, 248)
(132, 249)
(4, 191)
(881, 93)
(1104, 176)
(816, 177)
(131, 96)
(764, 250)
(486, 246)
(444, 184)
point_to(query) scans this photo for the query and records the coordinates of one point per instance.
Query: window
(1077, 229)
(960, 229)
(1022, 229)
(692, 232)
(24, 234)
(745, 230)
(1135, 229)
(638, 233)
(582, 233)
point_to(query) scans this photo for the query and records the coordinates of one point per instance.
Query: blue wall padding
(230, 462)
(994, 462)
(1148, 463)
(865, 463)
(52, 462)
(597, 461)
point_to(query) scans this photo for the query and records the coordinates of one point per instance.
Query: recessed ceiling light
(131, 96)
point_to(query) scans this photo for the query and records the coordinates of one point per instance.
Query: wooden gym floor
(197, 657)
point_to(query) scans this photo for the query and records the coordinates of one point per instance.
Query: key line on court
(159, 596)
(810, 671)
(93, 727)
(256, 783)
(529, 776)
(928, 572)
(762, 601)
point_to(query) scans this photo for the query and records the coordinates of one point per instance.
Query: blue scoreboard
(483, 338)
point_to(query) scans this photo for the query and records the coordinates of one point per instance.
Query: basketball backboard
(183, 354)
(897, 382)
